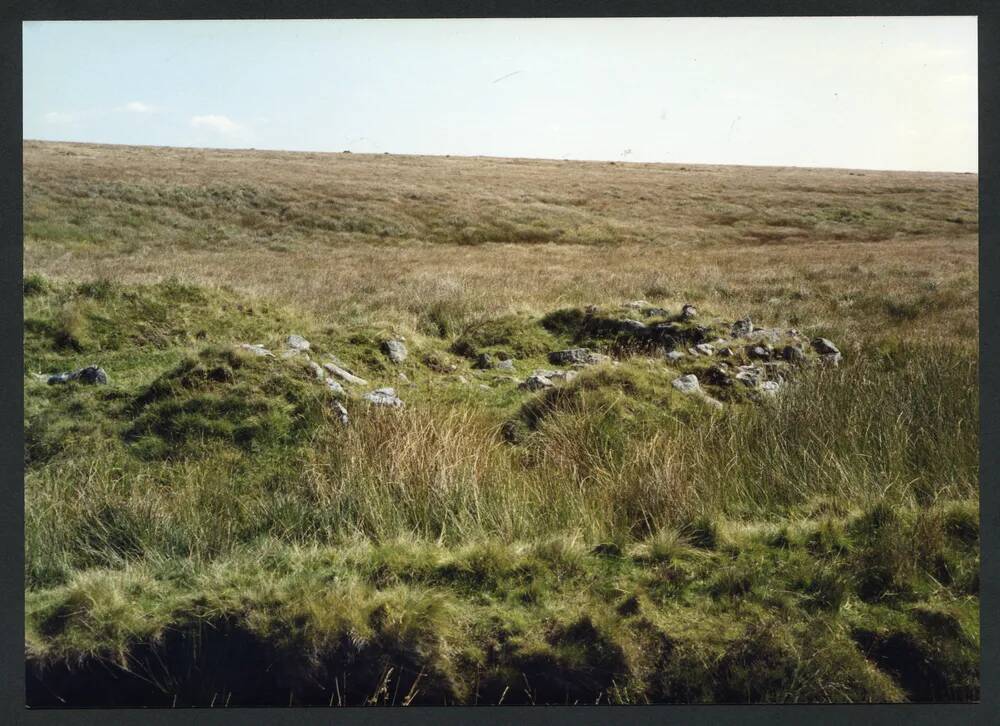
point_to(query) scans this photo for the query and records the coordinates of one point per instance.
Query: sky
(863, 93)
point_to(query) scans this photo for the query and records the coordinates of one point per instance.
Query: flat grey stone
(383, 397)
(297, 342)
(345, 375)
(686, 384)
(396, 350)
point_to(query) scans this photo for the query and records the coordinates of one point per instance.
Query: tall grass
(901, 429)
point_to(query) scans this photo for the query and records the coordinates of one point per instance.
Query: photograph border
(11, 362)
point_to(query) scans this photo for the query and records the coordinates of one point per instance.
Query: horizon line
(616, 162)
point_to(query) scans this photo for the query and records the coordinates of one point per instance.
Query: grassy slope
(421, 542)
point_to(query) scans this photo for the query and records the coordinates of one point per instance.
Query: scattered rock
(828, 352)
(383, 397)
(91, 375)
(341, 412)
(674, 356)
(257, 349)
(688, 312)
(726, 353)
(748, 376)
(704, 349)
(793, 354)
(335, 387)
(718, 376)
(758, 352)
(484, 361)
(506, 365)
(770, 387)
(317, 370)
(576, 356)
(297, 342)
(687, 384)
(536, 383)
(824, 346)
(395, 349)
(655, 312)
(343, 374)
(565, 376)
(636, 304)
(742, 328)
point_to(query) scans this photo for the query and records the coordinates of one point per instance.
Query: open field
(204, 529)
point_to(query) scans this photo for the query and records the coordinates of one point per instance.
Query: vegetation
(205, 530)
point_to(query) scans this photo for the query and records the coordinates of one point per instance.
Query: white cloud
(221, 124)
(137, 107)
(58, 117)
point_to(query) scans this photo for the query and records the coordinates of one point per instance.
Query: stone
(742, 328)
(704, 349)
(688, 312)
(317, 370)
(636, 304)
(772, 335)
(687, 384)
(535, 383)
(576, 356)
(484, 361)
(506, 365)
(565, 376)
(726, 353)
(674, 356)
(91, 375)
(297, 342)
(748, 376)
(341, 412)
(770, 387)
(257, 349)
(793, 354)
(655, 312)
(335, 387)
(383, 397)
(633, 326)
(345, 375)
(758, 352)
(828, 352)
(395, 349)
(824, 346)
(718, 376)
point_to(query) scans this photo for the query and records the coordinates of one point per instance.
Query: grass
(206, 529)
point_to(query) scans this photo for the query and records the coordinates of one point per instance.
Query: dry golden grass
(389, 238)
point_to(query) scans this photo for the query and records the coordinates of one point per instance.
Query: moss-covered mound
(229, 395)
(511, 335)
